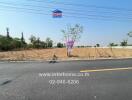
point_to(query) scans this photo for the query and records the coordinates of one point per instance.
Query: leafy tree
(29, 46)
(33, 40)
(113, 44)
(10, 43)
(124, 43)
(43, 44)
(49, 42)
(60, 45)
(37, 43)
(16, 43)
(97, 45)
(3, 40)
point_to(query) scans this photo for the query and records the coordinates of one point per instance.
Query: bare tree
(71, 35)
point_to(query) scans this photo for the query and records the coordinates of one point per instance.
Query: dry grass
(45, 54)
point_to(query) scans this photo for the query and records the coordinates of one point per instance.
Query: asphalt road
(104, 80)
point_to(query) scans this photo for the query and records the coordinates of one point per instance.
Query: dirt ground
(47, 54)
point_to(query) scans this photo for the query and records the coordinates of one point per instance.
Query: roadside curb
(97, 59)
(61, 60)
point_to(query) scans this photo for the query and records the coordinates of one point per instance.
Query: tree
(16, 43)
(60, 45)
(22, 38)
(37, 43)
(33, 40)
(3, 40)
(113, 44)
(43, 44)
(7, 30)
(130, 34)
(71, 35)
(124, 43)
(97, 45)
(49, 42)
(9, 43)
(23, 43)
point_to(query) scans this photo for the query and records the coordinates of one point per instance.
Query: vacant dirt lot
(46, 54)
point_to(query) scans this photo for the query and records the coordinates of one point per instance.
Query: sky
(103, 21)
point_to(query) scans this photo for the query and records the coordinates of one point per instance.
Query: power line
(95, 17)
(68, 16)
(14, 6)
(83, 5)
(39, 10)
(26, 5)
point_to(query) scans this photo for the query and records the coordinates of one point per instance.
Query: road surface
(98, 80)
